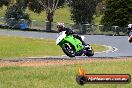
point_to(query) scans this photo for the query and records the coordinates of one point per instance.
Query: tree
(83, 10)
(100, 8)
(4, 2)
(49, 6)
(15, 14)
(37, 6)
(118, 13)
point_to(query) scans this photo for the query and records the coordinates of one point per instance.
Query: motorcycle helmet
(60, 27)
(129, 26)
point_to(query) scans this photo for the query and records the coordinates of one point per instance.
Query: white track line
(110, 49)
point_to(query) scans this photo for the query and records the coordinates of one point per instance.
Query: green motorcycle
(72, 46)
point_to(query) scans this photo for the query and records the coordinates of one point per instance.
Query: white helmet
(129, 26)
(60, 27)
(60, 24)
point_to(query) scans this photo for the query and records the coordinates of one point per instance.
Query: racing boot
(85, 45)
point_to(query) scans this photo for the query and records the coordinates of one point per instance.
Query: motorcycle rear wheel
(89, 52)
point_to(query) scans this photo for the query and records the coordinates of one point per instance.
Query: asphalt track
(119, 46)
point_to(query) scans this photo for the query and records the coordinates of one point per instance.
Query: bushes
(15, 16)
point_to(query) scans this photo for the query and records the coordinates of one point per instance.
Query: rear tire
(90, 52)
(68, 49)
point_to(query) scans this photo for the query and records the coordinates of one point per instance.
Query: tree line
(116, 12)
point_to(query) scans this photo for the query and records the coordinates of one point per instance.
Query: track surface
(120, 45)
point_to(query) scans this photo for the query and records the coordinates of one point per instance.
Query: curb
(110, 49)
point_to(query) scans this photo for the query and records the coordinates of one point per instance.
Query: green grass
(61, 15)
(61, 76)
(97, 19)
(2, 11)
(99, 48)
(11, 47)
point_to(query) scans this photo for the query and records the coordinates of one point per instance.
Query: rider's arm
(69, 31)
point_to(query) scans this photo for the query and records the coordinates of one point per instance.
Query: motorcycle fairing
(74, 41)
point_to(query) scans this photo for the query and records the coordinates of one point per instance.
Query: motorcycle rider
(129, 32)
(129, 29)
(61, 28)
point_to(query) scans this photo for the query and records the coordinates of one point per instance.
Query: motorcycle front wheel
(68, 49)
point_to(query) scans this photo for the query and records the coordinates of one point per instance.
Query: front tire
(68, 49)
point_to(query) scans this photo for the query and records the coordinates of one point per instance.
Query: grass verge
(13, 47)
(62, 76)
